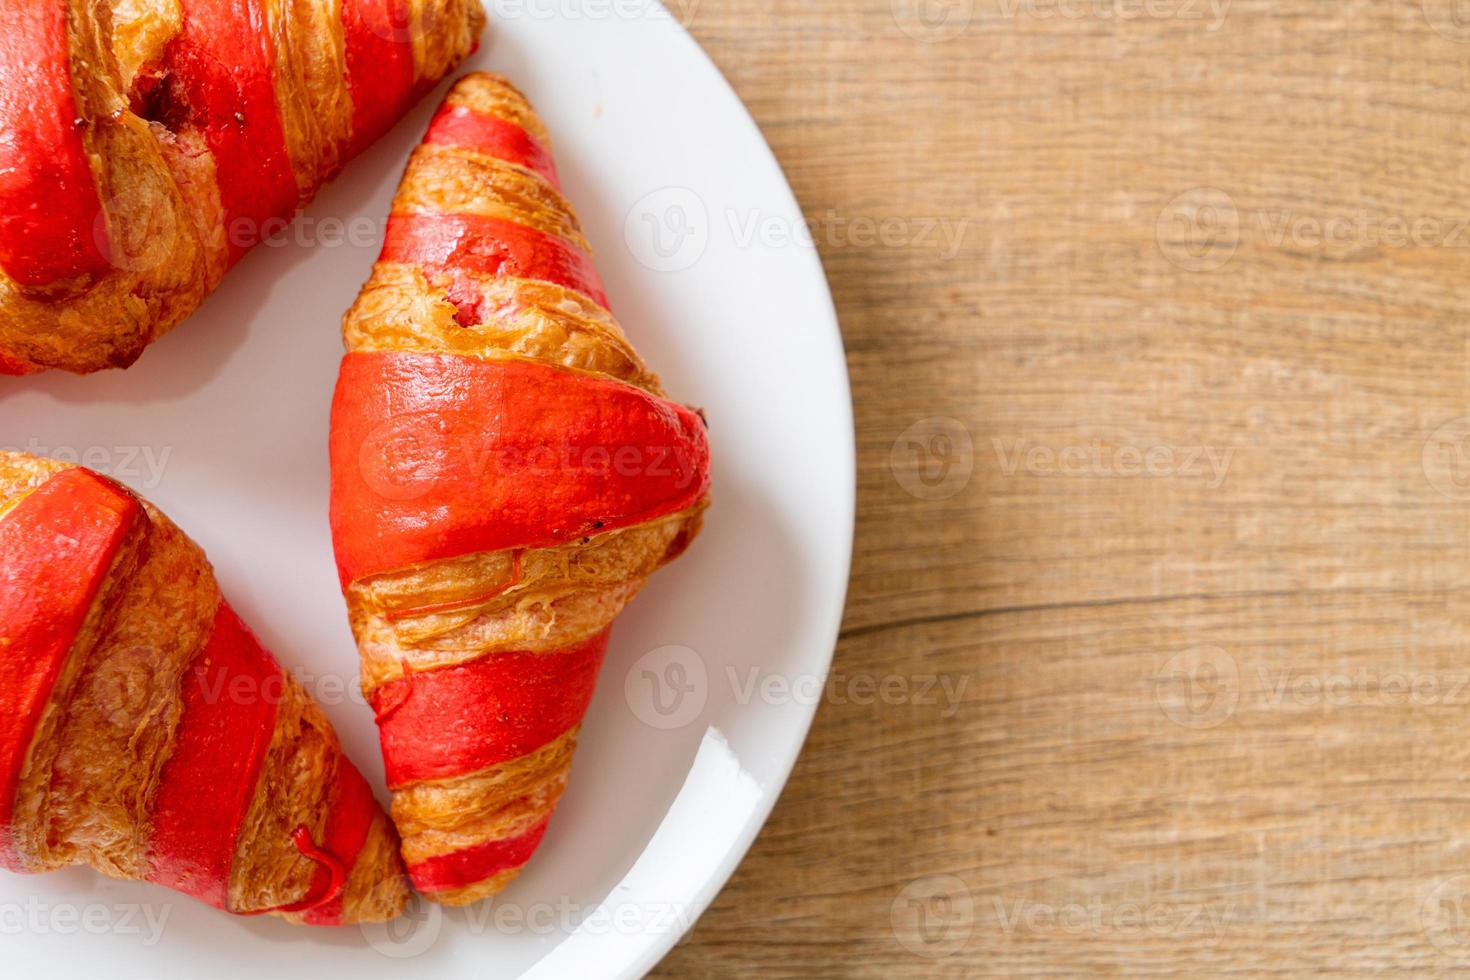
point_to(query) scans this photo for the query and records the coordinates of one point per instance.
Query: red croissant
(147, 144)
(145, 732)
(506, 474)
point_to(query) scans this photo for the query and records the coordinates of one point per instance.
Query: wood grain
(1192, 556)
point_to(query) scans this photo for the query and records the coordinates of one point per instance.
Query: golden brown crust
(459, 610)
(44, 797)
(565, 596)
(377, 889)
(316, 109)
(292, 792)
(398, 309)
(504, 800)
(444, 32)
(450, 180)
(480, 890)
(157, 184)
(92, 774)
(120, 720)
(496, 96)
(140, 31)
(152, 187)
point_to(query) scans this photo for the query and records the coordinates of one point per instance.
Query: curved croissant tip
(385, 902)
(477, 892)
(482, 76)
(363, 904)
(377, 887)
(488, 79)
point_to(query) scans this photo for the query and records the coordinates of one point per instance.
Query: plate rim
(740, 846)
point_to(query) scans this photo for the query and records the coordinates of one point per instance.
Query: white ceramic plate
(714, 672)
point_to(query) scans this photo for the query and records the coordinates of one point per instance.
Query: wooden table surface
(1157, 313)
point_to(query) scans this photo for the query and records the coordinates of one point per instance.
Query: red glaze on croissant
(506, 474)
(149, 143)
(144, 730)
